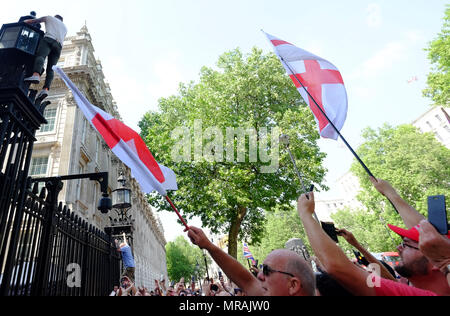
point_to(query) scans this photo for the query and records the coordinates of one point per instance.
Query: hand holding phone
(330, 230)
(437, 213)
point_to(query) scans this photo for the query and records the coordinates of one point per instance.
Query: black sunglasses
(268, 270)
(404, 245)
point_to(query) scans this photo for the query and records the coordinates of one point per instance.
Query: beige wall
(72, 145)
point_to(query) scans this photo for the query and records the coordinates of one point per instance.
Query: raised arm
(332, 258)
(350, 238)
(31, 21)
(410, 216)
(230, 266)
(435, 247)
(125, 239)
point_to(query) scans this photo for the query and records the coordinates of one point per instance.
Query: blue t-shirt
(127, 257)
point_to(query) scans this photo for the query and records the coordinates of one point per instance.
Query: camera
(214, 287)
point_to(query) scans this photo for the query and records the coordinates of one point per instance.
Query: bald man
(284, 272)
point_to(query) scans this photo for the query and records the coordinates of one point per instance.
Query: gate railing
(56, 252)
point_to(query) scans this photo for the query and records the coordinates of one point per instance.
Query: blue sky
(148, 47)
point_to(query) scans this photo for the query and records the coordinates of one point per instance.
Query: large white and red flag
(321, 79)
(126, 144)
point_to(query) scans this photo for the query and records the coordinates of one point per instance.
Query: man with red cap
(415, 266)
(434, 246)
(426, 278)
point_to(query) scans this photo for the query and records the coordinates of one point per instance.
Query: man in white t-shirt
(51, 47)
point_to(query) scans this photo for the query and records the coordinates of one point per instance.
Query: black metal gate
(45, 249)
(57, 253)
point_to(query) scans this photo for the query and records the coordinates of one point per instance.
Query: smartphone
(361, 260)
(214, 287)
(437, 213)
(220, 274)
(330, 229)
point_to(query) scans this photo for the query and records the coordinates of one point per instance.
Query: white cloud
(415, 36)
(380, 61)
(374, 16)
(168, 75)
(137, 92)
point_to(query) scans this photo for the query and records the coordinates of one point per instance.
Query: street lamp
(121, 197)
(121, 203)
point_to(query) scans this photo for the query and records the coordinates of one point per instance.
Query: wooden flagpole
(178, 213)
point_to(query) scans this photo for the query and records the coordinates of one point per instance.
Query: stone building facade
(68, 144)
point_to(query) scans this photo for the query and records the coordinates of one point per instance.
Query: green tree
(439, 54)
(248, 92)
(415, 164)
(182, 258)
(369, 228)
(281, 226)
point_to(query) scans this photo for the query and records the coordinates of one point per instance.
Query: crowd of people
(423, 270)
(209, 287)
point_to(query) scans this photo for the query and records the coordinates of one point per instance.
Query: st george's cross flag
(321, 79)
(126, 144)
(248, 254)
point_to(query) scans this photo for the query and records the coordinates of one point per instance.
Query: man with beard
(427, 279)
(415, 266)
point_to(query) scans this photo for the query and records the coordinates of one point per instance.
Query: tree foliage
(439, 55)
(416, 165)
(244, 91)
(182, 259)
(281, 226)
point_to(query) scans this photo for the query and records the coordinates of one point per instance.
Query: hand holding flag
(248, 254)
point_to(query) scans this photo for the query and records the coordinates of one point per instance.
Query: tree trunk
(234, 231)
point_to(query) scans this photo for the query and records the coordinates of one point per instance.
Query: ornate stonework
(74, 147)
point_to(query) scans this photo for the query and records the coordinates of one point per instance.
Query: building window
(84, 131)
(98, 145)
(438, 118)
(50, 116)
(79, 182)
(39, 166)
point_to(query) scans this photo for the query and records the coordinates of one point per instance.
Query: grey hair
(301, 269)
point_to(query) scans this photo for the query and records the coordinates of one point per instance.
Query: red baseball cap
(412, 233)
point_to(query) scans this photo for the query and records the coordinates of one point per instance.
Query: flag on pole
(321, 79)
(248, 254)
(126, 144)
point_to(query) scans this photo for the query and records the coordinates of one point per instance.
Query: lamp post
(121, 204)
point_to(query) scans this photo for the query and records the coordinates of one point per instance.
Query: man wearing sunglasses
(284, 273)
